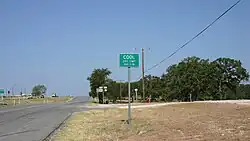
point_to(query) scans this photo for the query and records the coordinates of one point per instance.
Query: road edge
(49, 137)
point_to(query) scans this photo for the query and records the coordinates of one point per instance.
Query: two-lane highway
(34, 123)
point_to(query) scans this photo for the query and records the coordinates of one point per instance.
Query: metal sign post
(103, 89)
(129, 60)
(129, 99)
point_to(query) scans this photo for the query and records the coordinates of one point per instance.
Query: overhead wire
(189, 41)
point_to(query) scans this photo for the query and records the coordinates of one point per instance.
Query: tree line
(191, 79)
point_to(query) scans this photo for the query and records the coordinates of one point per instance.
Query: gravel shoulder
(154, 104)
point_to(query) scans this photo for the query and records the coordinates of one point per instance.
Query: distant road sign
(99, 90)
(129, 60)
(1, 91)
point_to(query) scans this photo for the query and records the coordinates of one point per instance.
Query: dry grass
(8, 102)
(183, 122)
(50, 99)
(92, 104)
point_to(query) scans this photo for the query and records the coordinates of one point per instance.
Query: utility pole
(143, 71)
(142, 67)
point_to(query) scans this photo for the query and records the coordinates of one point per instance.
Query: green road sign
(1, 91)
(129, 60)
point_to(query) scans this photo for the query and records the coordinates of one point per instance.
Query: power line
(197, 35)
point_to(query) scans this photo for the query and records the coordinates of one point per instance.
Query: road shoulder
(176, 122)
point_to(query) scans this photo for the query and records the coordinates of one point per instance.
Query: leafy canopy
(39, 90)
(192, 78)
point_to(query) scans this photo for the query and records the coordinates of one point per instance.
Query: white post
(105, 89)
(190, 97)
(101, 88)
(136, 94)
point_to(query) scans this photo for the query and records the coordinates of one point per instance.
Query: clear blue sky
(59, 42)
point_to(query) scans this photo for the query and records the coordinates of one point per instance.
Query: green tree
(203, 79)
(113, 90)
(229, 75)
(98, 77)
(39, 90)
(192, 77)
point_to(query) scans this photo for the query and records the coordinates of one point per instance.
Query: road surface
(34, 123)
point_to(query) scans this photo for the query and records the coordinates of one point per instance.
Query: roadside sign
(99, 90)
(129, 60)
(1, 91)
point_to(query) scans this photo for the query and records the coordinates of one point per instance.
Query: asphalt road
(34, 123)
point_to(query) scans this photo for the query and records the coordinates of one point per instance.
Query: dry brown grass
(9, 102)
(183, 122)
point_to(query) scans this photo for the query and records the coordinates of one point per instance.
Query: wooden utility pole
(142, 66)
(143, 73)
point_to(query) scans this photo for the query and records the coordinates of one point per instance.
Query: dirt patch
(183, 122)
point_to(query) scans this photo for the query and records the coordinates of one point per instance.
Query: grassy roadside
(10, 102)
(50, 99)
(93, 102)
(182, 122)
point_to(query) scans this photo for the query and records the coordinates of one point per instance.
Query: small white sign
(100, 90)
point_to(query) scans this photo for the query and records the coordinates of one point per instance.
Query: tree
(229, 74)
(152, 86)
(185, 78)
(39, 90)
(113, 90)
(193, 78)
(99, 77)
(203, 79)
